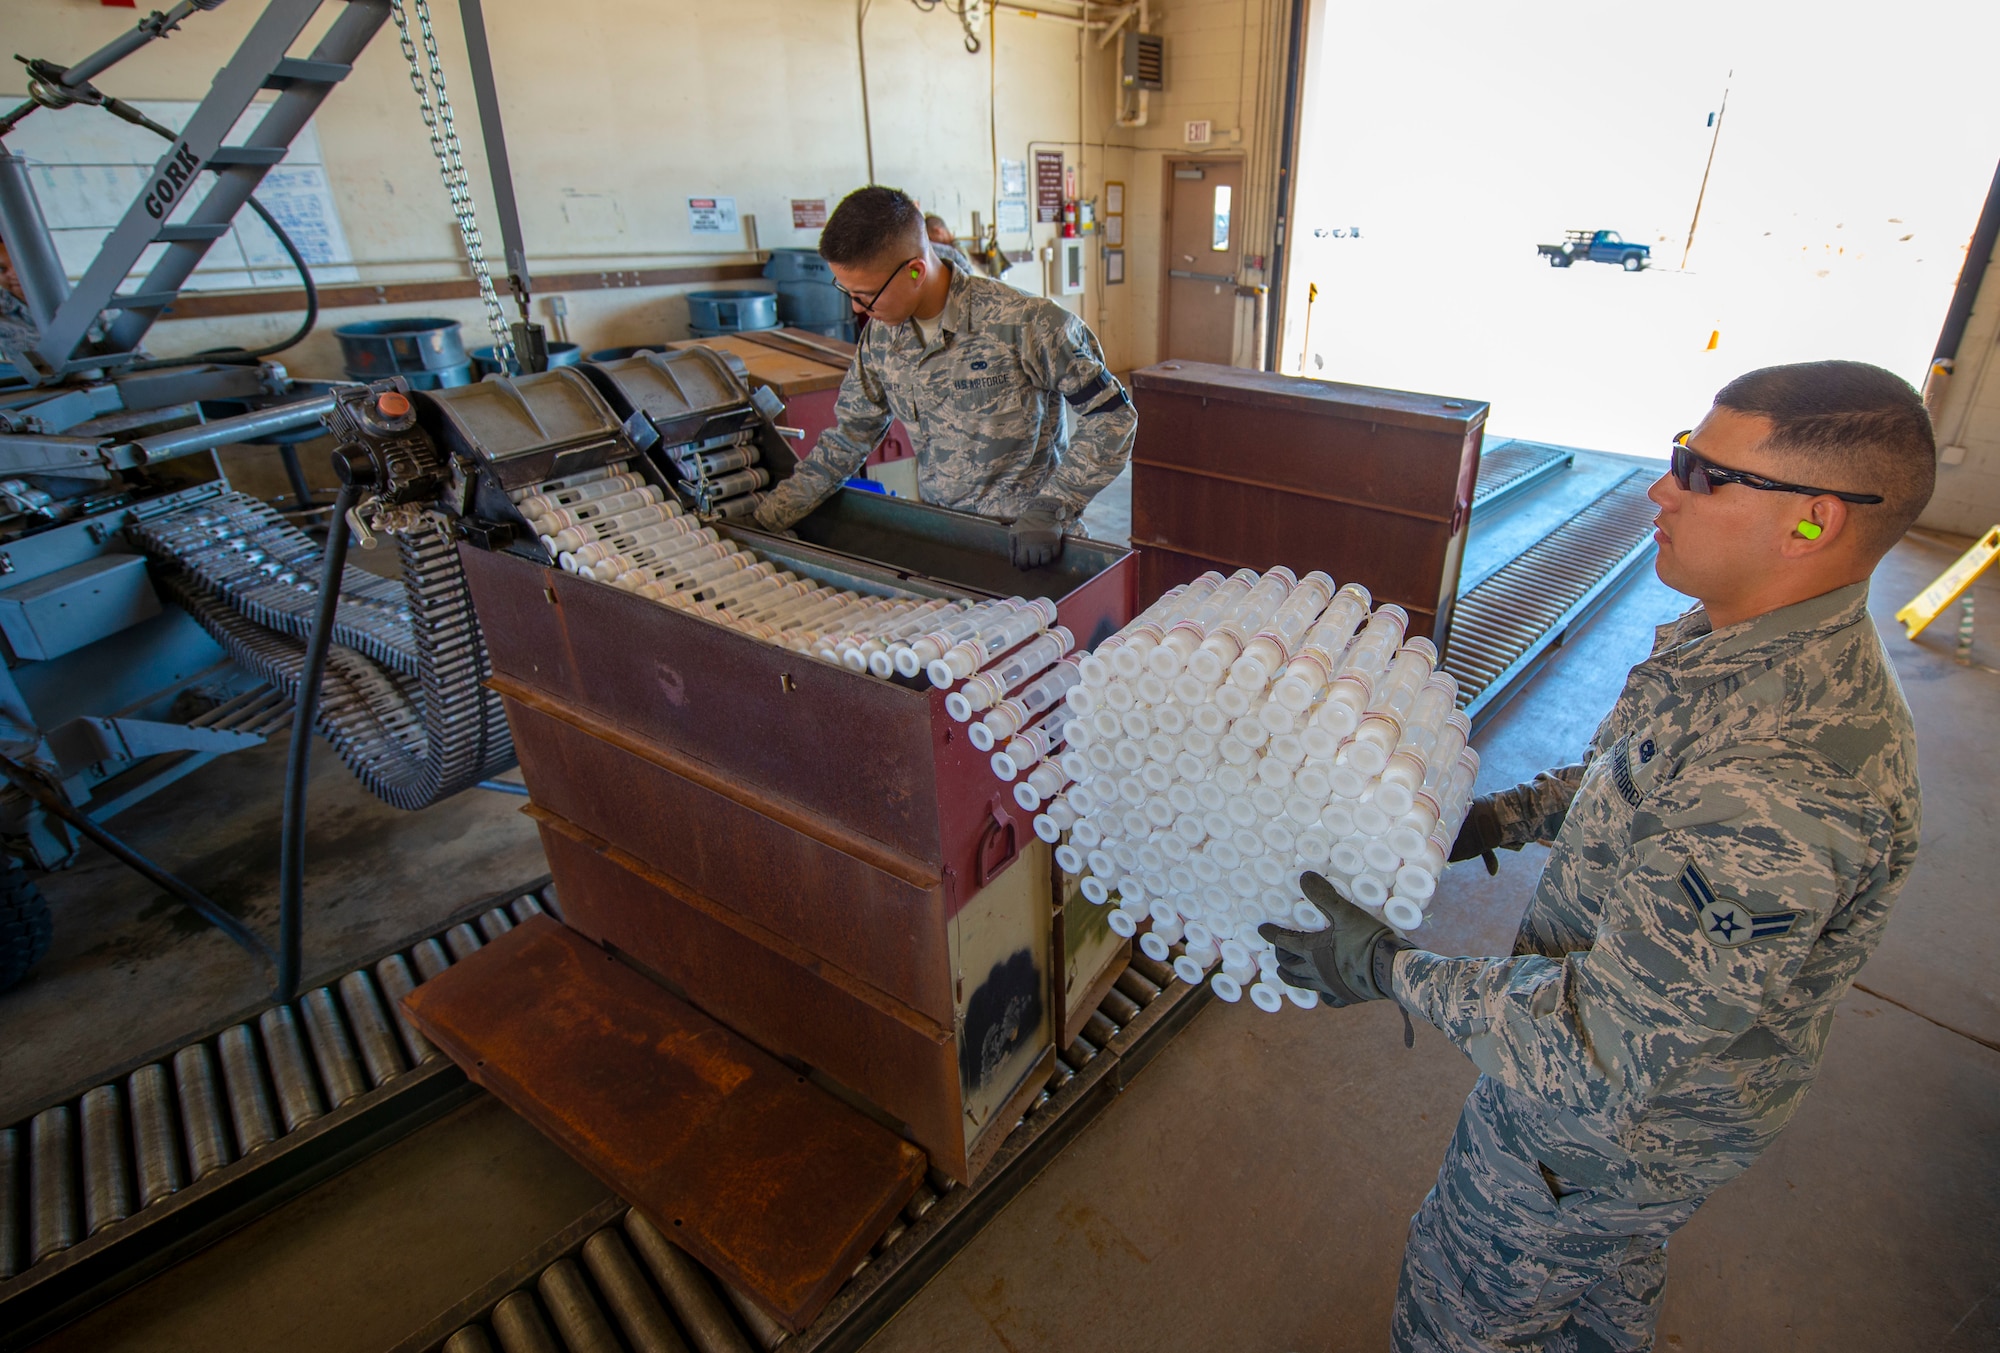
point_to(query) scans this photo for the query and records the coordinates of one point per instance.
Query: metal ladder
(260, 63)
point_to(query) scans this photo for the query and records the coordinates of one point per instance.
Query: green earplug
(1810, 530)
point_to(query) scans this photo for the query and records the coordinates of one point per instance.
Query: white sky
(1458, 135)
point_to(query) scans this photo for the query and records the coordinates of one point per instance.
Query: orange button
(391, 404)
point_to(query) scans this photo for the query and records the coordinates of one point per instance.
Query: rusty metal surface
(765, 987)
(1238, 469)
(802, 740)
(805, 881)
(836, 744)
(771, 1182)
(1397, 408)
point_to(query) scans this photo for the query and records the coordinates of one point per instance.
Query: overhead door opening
(1441, 146)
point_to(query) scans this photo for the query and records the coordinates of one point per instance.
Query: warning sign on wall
(1048, 186)
(712, 215)
(808, 213)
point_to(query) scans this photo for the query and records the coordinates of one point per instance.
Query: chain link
(451, 163)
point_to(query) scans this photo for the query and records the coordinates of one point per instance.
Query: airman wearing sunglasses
(1005, 395)
(1723, 860)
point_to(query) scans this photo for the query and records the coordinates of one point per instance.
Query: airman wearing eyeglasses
(1723, 860)
(1006, 397)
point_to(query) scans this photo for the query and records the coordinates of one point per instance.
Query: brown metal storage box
(818, 859)
(1249, 469)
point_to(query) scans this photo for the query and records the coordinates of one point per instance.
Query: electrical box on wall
(1145, 63)
(1069, 267)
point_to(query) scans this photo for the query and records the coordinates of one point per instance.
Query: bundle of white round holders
(1239, 732)
(611, 525)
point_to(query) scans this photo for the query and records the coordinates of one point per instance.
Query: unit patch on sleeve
(1731, 924)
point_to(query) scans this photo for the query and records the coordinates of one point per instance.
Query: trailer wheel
(25, 926)
(1558, 261)
(1634, 262)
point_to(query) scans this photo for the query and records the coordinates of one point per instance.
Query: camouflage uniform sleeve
(1725, 886)
(861, 415)
(1532, 814)
(1062, 355)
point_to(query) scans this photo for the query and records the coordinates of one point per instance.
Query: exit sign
(1199, 133)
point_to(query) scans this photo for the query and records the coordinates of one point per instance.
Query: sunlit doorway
(1441, 144)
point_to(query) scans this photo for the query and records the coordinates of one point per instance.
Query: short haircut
(871, 222)
(933, 221)
(1849, 426)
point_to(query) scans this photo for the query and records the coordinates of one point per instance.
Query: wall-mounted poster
(1114, 267)
(1114, 231)
(1114, 198)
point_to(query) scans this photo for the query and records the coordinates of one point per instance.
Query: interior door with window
(1204, 210)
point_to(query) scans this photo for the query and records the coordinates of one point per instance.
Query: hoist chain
(451, 163)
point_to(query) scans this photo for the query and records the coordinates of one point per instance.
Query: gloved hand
(1035, 538)
(1351, 961)
(1480, 835)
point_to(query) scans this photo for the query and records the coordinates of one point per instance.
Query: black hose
(305, 280)
(292, 838)
(196, 901)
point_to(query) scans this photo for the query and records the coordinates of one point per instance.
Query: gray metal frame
(65, 316)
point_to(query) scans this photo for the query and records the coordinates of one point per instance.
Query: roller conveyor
(611, 1275)
(1504, 628)
(121, 1176)
(1512, 468)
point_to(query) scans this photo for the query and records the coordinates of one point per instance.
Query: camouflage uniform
(1724, 862)
(984, 407)
(953, 255)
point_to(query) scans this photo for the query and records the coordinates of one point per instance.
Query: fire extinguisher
(1069, 218)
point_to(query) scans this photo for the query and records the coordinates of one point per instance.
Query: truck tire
(25, 926)
(1634, 262)
(1558, 261)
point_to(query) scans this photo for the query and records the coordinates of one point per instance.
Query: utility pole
(1704, 173)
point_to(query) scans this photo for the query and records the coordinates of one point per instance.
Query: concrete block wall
(617, 112)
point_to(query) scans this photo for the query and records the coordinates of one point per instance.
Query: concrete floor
(1251, 1189)
(131, 970)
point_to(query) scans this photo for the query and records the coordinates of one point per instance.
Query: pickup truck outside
(1596, 246)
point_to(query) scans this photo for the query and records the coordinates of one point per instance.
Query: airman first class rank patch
(1731, 924)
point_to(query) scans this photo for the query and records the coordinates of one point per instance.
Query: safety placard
(808, 213)
(1048, 186)
(712, 215)
(1930, 603)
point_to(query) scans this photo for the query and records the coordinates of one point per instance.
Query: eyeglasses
(869, 304)
(1696, 474)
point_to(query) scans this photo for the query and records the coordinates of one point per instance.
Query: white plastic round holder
(1188, 970)
(1155, 948)
(1226, 988)
(1416, 884)
(1402, 913)
(1380, 858)
(1167, 921)
(1094, 891)
(980, 736)
(1069, 858)
(1267, 998)
(1302, 997)
(1368, 891)
(1305, 916)
(1123, 926)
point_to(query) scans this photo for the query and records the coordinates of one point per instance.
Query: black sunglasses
(869, 304)
(1695, 474)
